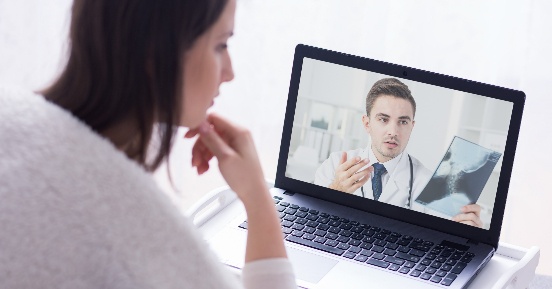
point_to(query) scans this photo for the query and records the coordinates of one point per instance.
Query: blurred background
(505, 43)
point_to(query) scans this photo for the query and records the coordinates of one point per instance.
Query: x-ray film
(460, 177)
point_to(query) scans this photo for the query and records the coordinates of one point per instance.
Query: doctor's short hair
(389, 86)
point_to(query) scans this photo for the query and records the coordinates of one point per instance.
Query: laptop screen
(413, 145)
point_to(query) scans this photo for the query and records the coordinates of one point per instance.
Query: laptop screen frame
(517, 98)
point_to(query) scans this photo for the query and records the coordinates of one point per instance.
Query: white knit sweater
(77, 213)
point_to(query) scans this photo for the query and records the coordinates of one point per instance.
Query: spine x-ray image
(460, 177)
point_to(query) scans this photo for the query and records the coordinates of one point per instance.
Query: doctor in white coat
(383, 170)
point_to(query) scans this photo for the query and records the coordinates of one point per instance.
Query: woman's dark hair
(125, 63)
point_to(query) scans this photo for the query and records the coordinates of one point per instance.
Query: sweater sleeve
(275, 273)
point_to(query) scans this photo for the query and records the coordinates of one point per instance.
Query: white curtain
(506, 43)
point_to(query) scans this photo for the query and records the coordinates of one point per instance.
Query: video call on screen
(459, 137)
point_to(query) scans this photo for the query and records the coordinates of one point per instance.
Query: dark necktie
(379, 169)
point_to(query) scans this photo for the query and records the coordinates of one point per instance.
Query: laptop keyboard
(437, 263)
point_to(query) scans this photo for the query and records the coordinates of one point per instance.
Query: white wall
(505, 43)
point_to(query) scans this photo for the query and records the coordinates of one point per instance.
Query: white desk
(511, 267)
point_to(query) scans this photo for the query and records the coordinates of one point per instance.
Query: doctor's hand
(348, 176)
(471, 215)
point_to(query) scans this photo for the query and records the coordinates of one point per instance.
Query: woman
(78, 208)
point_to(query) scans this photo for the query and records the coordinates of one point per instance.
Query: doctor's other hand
(471, 215)
(348, 176)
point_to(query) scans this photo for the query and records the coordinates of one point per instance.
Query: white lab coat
(395, 190)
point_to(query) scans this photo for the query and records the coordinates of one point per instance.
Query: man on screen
(384, 171)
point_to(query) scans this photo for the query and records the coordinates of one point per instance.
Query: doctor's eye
(403, 122)
(383, 119)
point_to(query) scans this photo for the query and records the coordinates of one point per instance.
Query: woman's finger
(212, 141)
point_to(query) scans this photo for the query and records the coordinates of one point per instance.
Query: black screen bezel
(490, 236)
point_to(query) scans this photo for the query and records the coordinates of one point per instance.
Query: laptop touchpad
(308, 266)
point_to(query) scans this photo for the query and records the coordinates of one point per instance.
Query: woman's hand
(239, 164)
(235, 151)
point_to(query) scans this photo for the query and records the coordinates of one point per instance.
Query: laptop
(341, 239)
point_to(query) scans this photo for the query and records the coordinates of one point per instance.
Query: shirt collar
(389, 165)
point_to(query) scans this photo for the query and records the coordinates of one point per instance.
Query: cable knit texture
(77, 213)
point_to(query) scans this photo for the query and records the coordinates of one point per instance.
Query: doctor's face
(390, 123)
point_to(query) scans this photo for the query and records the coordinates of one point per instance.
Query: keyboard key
(320, 233)
(407, 257)
(381, 243)
(308, 237)
(323, 227)
(343, 246)
(457, 269)
(436, 279)
(393, 267)
(409, 264)
(421, 267)
(318, 246)
(290, 218)
(431, 270)
(436, 264)
(366, 252)
(394, 260)
(416, 253)
(301, 214)
(331, 236)
(430, 256)
(343, 239)
(361, 258)
(287, 223)
(298, 227)
(446, 267)
(366, 246)
(426, 262)
(304, 209)
(280, 208)
(404, 270)
(314, 212)
(415, 273)
(349, 255)
(425, 276)
(323, 220)
(389, 252)
(293, 206)
(448, 279)
(334, 230)
(312, 224)
(378, 263)
(312, 217)
(346, 233)
(354, 243)
(301, 221)
(309, 230)
(403, 249)
(378, 256)
(441, 273)
(466, 259)
(290, 211)
(377, 249)
(298, 233)
(355, 249)
(357, 236)
(450, 262)
(392, 246)
(243, 225)
(320, 240)
(287, 230)
(332, 243)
